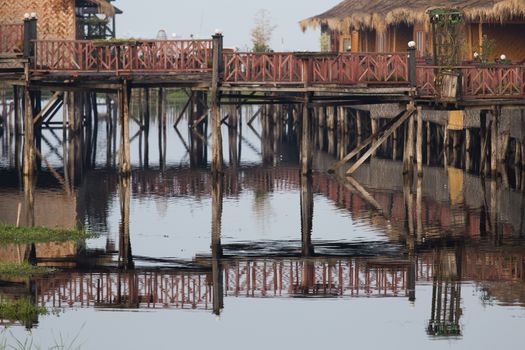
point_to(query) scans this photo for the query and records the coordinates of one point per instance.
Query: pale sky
(143, 19)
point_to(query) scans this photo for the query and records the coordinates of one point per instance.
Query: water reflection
(395, 235)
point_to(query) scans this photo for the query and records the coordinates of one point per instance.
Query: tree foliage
(262, 31)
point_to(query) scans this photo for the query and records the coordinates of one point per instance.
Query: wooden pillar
(374, 127)
(306, 143)
(217, 157)
(483, 140)
(496, 113)
(29, 152)
(419, 142)
(330, 122)
(468, 147)
(146, 127)
(125, 156)
(409, 147)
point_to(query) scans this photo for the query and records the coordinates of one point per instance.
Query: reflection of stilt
(216, 248)
(307, 212)
(29, 199)
(446, 295)
(125, 258)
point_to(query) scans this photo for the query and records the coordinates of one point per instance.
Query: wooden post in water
(374, 127)
(306, 142)
(496, 113)
(217, 157)
(146, 127)
(29, 152)
(419, 142)
(125, 157)
(408, 162)
(483, 140)
(16, 97)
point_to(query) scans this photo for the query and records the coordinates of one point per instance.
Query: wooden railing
(246, 67)
(125, 57)
(361, 68)
(11, 38)
(345, 69)
(502, 81)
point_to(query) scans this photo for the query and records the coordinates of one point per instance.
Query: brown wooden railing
(11, 38)
(501, 81)
(361, 68)
(346, 69)
(245, 67)
(126, 57)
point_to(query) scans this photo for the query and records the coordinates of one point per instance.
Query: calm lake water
(262, 258)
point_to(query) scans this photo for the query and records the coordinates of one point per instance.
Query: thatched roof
(104, 7)
(378, 14)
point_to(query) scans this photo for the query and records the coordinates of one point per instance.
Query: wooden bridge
(174, 61)
(191, 61)
(308, 79)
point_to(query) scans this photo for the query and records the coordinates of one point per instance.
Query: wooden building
(387, 26)
(64, 19)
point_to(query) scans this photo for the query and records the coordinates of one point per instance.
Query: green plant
(25, 235)
(21, 310)
(20, 270)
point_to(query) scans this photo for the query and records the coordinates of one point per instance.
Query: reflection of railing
(501, 81)
(347, 69)
(143, 56)
(11, 38)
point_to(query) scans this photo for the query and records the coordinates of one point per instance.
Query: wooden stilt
(408, 163)
(306, 142)
(494, 141)
(381, 139)
(125, 160)
(29, 155)
(382, 135)
(217, 157)
(419, 142)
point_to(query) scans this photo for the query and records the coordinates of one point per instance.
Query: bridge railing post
(30, 34)
(217, 59)
(412, 63)
(218, 70)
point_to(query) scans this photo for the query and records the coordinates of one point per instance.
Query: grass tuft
(10, 234)
(24, 269)
(21, 310)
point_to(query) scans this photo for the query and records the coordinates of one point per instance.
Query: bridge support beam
(29, 151)
(218, 68)
(419, 142)
(125, 157)
(496, 113)
(306, 137)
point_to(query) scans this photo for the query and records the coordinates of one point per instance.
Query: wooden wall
(56, 18)
(509, 39)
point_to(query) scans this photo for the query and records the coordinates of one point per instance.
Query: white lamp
(411, 44)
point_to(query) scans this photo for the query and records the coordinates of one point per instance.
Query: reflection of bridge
(252, 278)
(274, 277)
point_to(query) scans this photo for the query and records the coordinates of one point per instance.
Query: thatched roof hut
(379, 14)
(57, 19)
